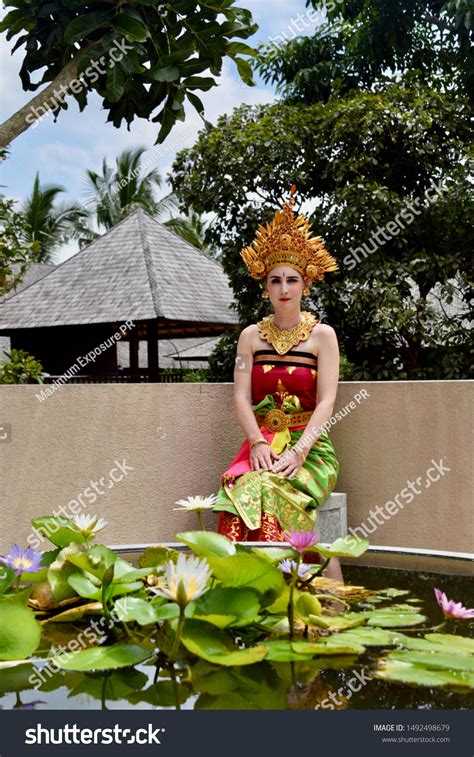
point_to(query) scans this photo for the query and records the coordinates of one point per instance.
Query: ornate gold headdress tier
(288, 240)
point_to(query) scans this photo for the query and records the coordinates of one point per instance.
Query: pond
(218, 625)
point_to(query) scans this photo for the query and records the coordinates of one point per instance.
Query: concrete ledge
(179, 438)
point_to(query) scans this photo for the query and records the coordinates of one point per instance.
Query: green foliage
(102, 658)
(20, 632)
(16, 254)
(21, 368)
(364, 160)
(246, 594)
(48, 223)
(168, 48)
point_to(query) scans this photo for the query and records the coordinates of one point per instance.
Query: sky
(62, 152)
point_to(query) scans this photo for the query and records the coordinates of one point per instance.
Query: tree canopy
(143, 58)
(364, 160)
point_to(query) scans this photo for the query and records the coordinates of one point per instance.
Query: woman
(286, 376)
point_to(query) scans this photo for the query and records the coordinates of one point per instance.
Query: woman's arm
(328, 375)
(261, 455)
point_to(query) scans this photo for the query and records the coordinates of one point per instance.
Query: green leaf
(168, 611)
(245, 70)
(334, 622)
(134, 609)
(387, 619)
(460, 643)
(436, 660)
(60, 531)
(20, 632)
(130, 27)
(168, 73)
(154, 556)
(61, 569)
(329, 646)
(345, 546)
(102, 658)
(84, 586)
(307, 605)
(214, 646)
(370, 637)
(80, 27)
(206, 543)
(227, 607)
(7, 576)
(403, 672)
(282, 650)
(73, 614)
(250, 571)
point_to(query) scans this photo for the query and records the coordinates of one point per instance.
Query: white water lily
(186, 580)
(89, 524)
(196, 503)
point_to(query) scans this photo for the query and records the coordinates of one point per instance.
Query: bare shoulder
(248, 338)
(324, 339)
(324, 331)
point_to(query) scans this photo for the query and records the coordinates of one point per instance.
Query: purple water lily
(20, 561)
(452, 609)
(301, 540)
(289, 566)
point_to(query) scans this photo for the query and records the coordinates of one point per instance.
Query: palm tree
(49, 223)
(117, 192)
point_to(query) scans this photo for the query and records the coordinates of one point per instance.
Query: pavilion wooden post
(152, 350)
(134, 347)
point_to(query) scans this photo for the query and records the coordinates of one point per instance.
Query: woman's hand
(262, 457)
(290, 463)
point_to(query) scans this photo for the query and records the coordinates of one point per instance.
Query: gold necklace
(282, 339)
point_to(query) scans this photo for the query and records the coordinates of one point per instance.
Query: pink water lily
(301, 540)
(452, 609)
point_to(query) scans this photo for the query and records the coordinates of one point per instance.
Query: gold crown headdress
(288, 240)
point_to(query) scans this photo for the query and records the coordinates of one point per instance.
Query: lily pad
(214, 646)
(228, 607)
(20, 632)
(461, 643)
(334, 622)
(250, 571)
(405, 672)
(331, 645)
(371, 637)
(206, 543)
(307, 605)
(59, 530)
(436, 660)
(154, 556)
(284, 651)
(129, 609)
(102, 658)
(345, 546)
(76, 613)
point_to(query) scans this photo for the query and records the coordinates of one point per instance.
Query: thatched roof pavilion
(138, 272)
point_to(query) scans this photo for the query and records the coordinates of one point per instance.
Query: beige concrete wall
(176, 440)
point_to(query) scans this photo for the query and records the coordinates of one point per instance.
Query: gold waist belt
(277, 420)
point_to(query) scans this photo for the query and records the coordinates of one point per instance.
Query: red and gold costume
(260, 505)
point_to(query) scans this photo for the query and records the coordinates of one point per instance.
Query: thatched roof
(138, 270)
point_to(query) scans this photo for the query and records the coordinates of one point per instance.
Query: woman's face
(285, 287)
